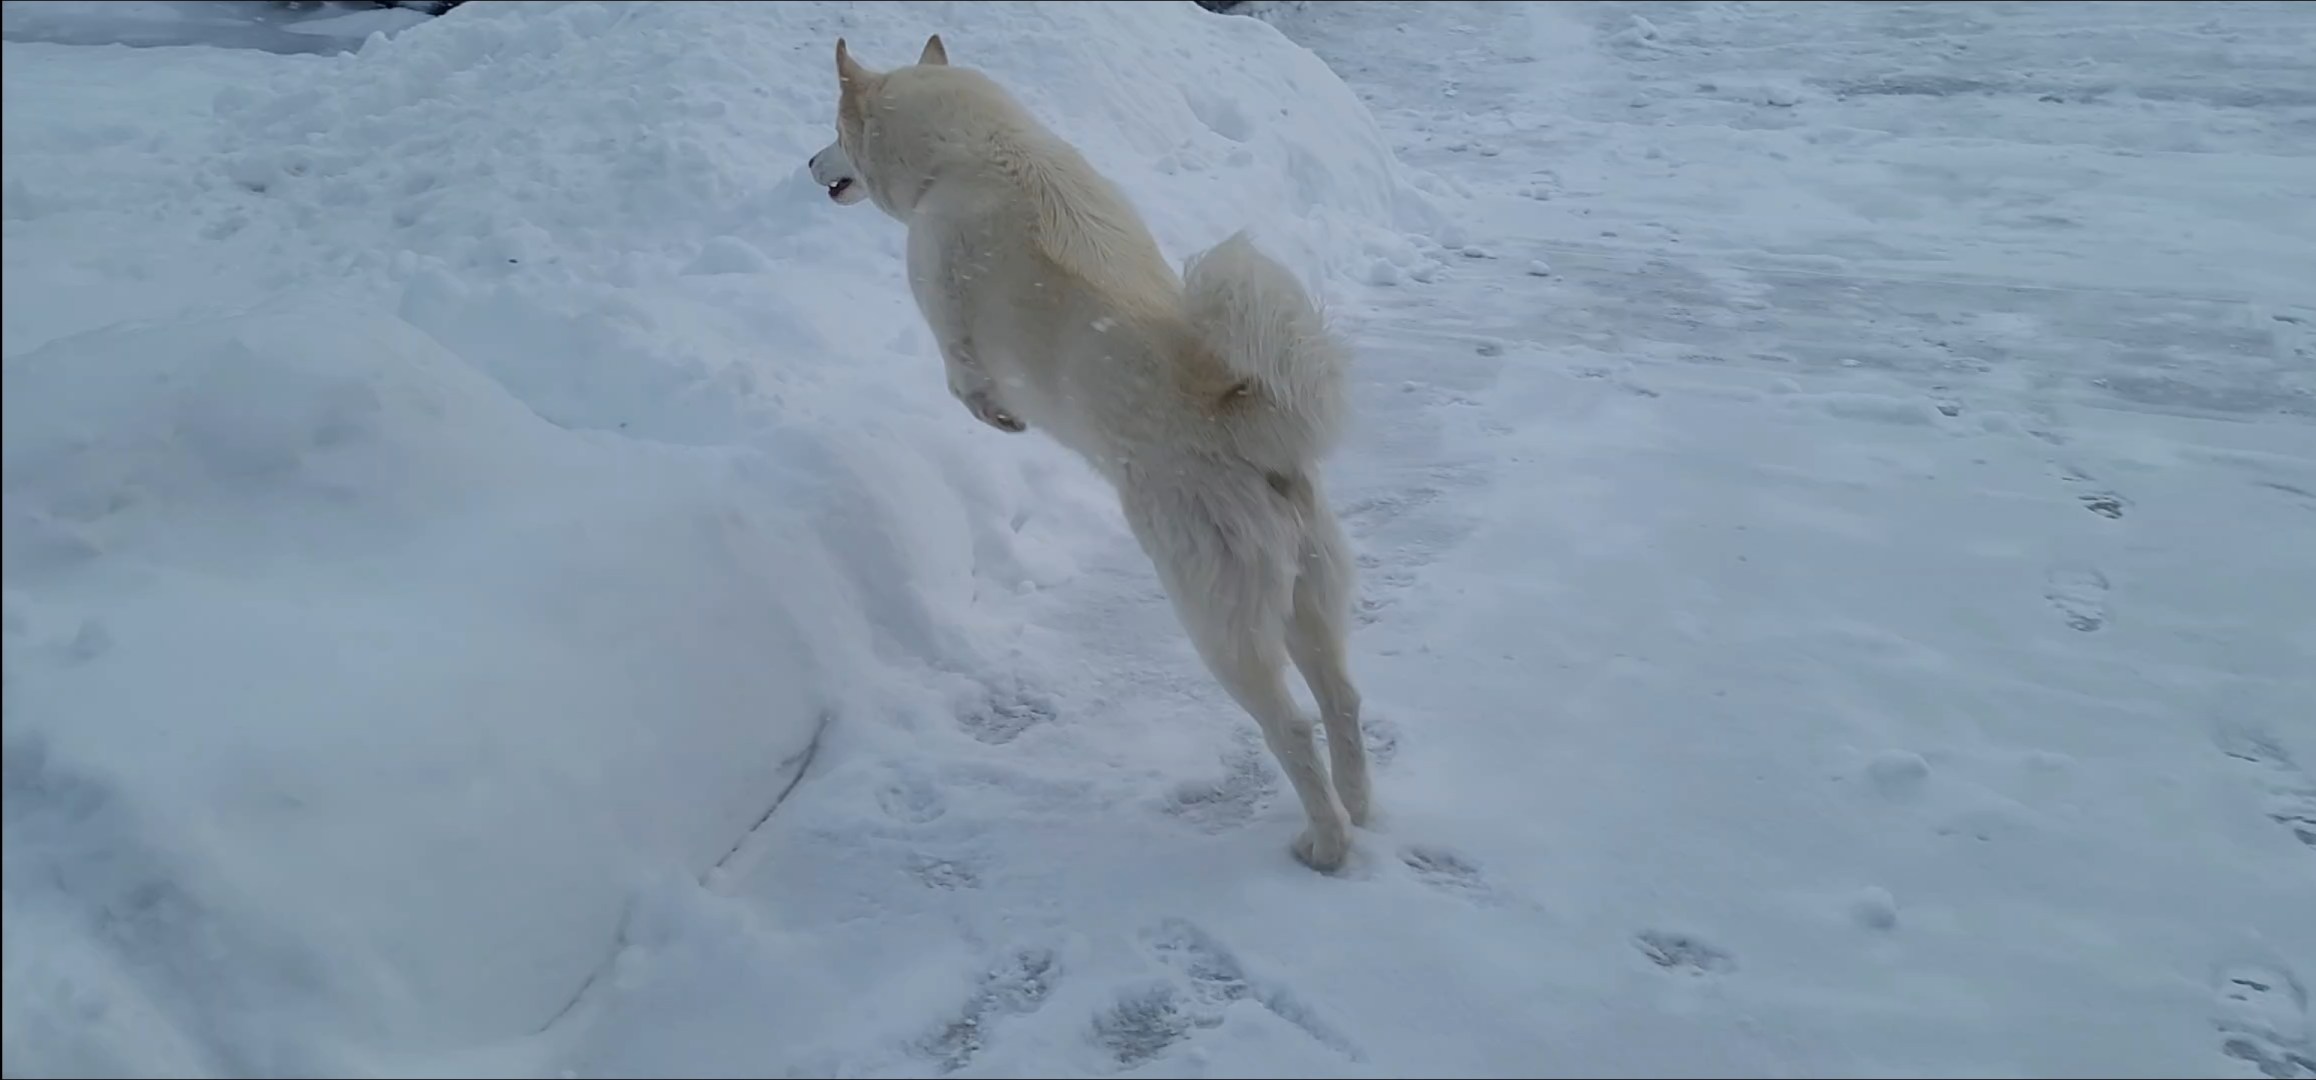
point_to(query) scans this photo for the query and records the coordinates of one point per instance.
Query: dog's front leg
(941, 299)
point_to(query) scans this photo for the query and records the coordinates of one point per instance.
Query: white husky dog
(1206, 399)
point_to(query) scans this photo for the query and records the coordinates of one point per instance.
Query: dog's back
(976, 133)
(1074, 307)
(1064, 256)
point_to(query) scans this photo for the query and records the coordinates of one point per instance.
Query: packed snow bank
(450, 484)
(640, 135)
(325, 649)
(237, 24)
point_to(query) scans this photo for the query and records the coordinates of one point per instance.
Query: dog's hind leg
(1257, 679)
(1233, 594)
(1315, 639)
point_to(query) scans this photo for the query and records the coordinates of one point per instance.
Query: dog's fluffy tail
(1250, 310)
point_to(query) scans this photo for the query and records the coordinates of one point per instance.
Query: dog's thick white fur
(1206, 399)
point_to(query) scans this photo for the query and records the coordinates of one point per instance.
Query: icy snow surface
(1836, 485)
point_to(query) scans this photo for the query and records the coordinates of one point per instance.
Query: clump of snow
(1636, 32)
(1874, 908)
(1778, 93)
(454, 484)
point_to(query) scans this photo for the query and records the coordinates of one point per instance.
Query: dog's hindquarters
(1282, 418)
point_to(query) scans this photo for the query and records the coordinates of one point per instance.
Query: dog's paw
(1323, 850)
(985, 408)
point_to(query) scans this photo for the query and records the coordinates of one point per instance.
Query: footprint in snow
(1007, 711)
(1246, 786)
(1143, 1023)
(1384, 584)
(1215, 980)
(934, 872)
(911, 801)
(2080, 594)
(1213, 970)
(2289, 793)
(2106, 504)
(1444, 869)
(2262, 1016)
(1452, 873)
(1683, 953)
(1363, 515)
(1016, 986)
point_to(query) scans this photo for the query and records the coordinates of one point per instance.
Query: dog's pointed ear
(935, 52)
(848, 70)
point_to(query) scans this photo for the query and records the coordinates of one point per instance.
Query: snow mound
(323, 648)
(637, 134)
(456, 484)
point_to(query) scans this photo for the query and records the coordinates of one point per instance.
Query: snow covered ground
(1836, 484)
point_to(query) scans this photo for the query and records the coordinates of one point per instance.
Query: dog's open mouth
(833, 171)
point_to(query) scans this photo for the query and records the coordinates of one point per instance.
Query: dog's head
(847, 166)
